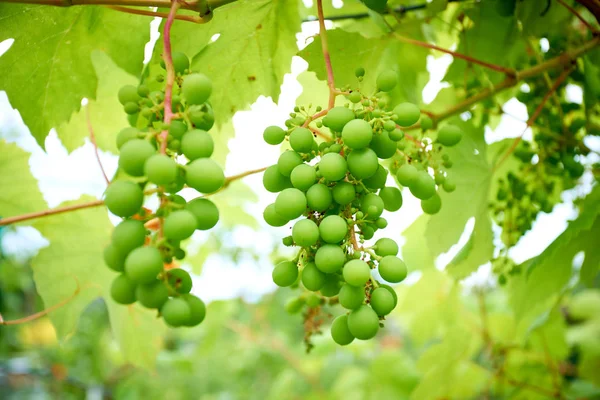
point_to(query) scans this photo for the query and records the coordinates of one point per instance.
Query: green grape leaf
(415, 253)
(256, 42)
(537, 20)
(74, 260)
(231, 203)
(20, 193)
(106, 113)
(549, 273)
(48, 70)
(349, 51)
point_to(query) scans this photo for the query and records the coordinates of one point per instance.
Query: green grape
(273, 135)
(290, 203)
(180, 62)
(372, 206)
(197, 144)
(128, 235)
(319, 197)
(426, 122)
(157, 96)
(122, 290)
(131, 108)
(432, 205)
(274, 181)
(439, 177)
(128, 94)
(288, 241)
(448, 185)
(152, 295)
(355, 97)
(392, 291)
(272, 218)
(359, 72)
(363, 163)
(285, 274)
(301, 140)
(383, 146)
(196, 88)
(332, 285)
(203, 117)
(408, 114)
(449, 135)
(160, 169)
(205, 175)
(113, 258)
(386, 80)
(382, 301)
(133, 156)
(396, 135)
(392, 198)
(356, 273)
(176, 312)
(179, 225)
(386, 247)
(178, 184)
(340, 332)
(313, 300)
(123, 198)
(338, 117)
(312, 278)
(357, 134)
(377, 181)
(125, 135)
(333, 167)
(407, 174)
(294, 305)
(351, 297)
(389, 125)
(143, 264)
(305, 233)
(335, 148)
(179, 280)
(205, 211)
(288, 160)
(423, 187)
(381, 223)
(392, 269)
(177, 129)
(344, 193)
(363, 323)
(367, 232)
(330, 258)
(303, 177)
(197, 310)
(333, 229)
(143, 90)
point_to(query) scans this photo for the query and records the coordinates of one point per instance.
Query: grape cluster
(145, 244)
(338, 189)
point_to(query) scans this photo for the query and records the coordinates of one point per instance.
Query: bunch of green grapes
(143, 257)
(336, 192)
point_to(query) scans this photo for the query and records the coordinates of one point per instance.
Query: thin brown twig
(93, 140)
(137, 11)
(42, 313)
(534, 116)
(326, 55)
(579, 16)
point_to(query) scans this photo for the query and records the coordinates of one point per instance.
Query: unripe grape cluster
(145, 244)
(336, 192)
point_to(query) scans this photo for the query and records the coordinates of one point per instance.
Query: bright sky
(64, 176)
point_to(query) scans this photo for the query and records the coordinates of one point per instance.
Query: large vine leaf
(550, 272)
(254, 49)
(74, 260)
(48, 70)
(20, 193)
(106, 113)
(351, 50)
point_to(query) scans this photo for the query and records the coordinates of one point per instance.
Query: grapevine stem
(326, 55)
(190, 18)
(534, 116)
(167, 56)
(494, 67)
(93, 140)
(579, 16)
(42, 313)
(204, 7)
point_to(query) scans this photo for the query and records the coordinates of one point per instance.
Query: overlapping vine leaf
(20, 193)
(72, 267)
(245, 50)
(106, 113)
(48, 69)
